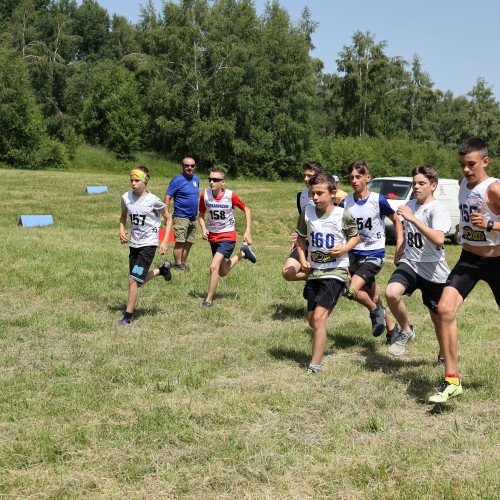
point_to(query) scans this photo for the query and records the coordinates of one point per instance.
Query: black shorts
(295, 254)
(365, 267)
(471, 268)
(431, 292)
(323, 292)
(139, 261)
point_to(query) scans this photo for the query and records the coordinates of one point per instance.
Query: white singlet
(323, 234)
(220, 212)
(469, 200)
(144, 218)
(371, 228)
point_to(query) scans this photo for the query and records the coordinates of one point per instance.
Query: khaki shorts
(184, 230)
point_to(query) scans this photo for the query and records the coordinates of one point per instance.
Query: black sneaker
(165, 271)
(378, 321)
(440, 360)
(392, 335)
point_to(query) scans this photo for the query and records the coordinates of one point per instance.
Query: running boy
(368, 256)
(331, 233)
(220, 229)
(423, 267)
(143, 209)
(479, 226)
(291, 270)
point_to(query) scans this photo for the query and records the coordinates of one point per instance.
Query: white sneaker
(399, 347)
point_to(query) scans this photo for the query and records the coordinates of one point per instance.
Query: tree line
(214, 79)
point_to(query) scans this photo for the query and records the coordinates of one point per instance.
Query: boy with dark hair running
(479, 229)
(423, 266)
(368, 256)
(331, 232)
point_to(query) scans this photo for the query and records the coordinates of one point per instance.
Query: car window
(392, 189)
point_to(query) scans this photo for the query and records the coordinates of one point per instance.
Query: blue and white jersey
(369, 215)
(144, 217)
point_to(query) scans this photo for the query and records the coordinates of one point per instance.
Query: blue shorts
(223, 247)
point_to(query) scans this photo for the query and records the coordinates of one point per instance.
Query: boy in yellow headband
(143, 209)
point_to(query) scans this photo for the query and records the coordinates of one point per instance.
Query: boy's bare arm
(123, 221)
(301, 246)
(248, 235)
(168, 225)
(203, 227)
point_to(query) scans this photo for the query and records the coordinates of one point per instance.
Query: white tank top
(220, 212)
(322, 235)
(371, 227)
(469, 200)
(304, 199)
(144, 218)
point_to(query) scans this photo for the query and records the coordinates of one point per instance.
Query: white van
(398, 191)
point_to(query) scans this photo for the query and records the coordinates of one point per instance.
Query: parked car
(398, 191)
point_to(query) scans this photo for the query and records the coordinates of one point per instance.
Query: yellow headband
(138, 174)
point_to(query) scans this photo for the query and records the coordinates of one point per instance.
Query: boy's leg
(363, 271)
(133, 293)
(228, 264)
(215, 265)
(292, 271)
(318, 319)
(450, 303)
(394, 293)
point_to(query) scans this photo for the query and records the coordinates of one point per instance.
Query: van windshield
(392, 189)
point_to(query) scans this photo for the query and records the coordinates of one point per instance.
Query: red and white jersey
(469, 200)
(221, 224)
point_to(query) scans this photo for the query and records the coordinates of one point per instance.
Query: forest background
(215, 80)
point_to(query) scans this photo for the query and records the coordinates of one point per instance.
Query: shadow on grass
(418, 384)
(300, 357)
(343, 341)
(285, 311)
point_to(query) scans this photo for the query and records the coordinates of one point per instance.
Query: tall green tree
(370, 88)
(104, 100)
(23, 138)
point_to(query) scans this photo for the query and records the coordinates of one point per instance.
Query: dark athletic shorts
(365, 267)
(139, 261)
(471, 268)
(431, 292)
(224, 247)
(323, 292)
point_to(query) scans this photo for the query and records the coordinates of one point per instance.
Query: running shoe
(378, 321)
(249, 254)
(445, 392)
(399, 346)
(165, 271)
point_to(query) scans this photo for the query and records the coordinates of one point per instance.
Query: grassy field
(196, 403)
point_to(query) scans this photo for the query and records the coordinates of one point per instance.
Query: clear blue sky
(456, 40)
